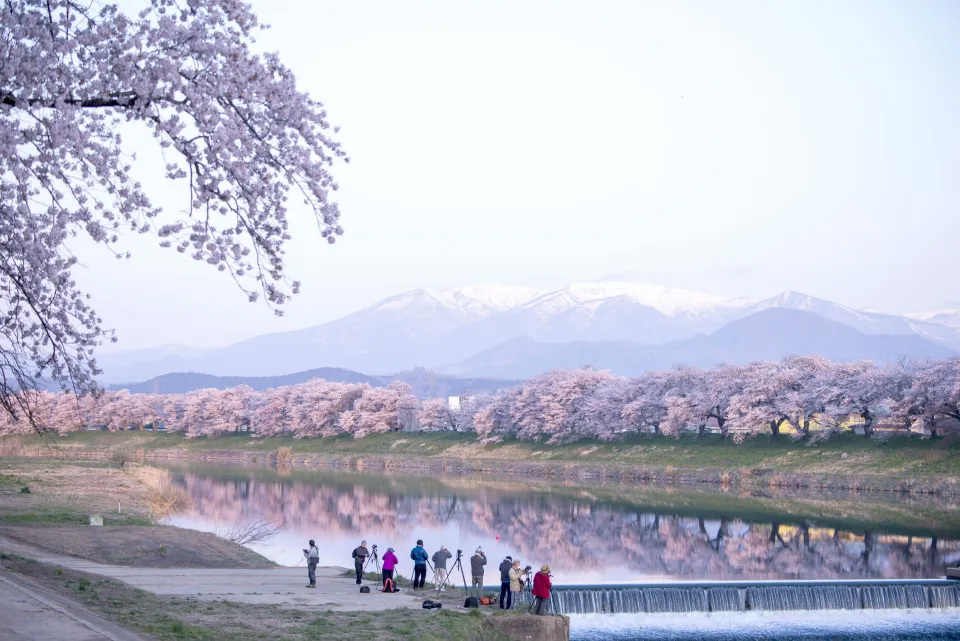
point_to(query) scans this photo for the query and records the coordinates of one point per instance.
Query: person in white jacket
(312, 556)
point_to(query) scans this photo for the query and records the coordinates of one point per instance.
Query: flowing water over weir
(713, 597)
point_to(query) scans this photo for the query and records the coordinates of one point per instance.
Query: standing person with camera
(505, 566)
(419, 556)
(360, 554)
(440, 558)
(517, 577)
(541, 591)
(312, 555)
(477, 561)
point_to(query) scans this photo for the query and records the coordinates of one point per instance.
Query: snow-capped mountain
(436, 328)
(947, 318)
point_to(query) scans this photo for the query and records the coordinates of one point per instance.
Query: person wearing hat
(440, 558)
(517, 577)
(477, 561)
(313, 558)
(390, 561)
(505, 566)
(419, 556)
(541, 591)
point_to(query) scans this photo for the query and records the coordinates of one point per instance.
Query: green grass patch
(52, 515)
(900, 456)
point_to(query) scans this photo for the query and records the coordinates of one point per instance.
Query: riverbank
(848, 462)
(150, 578)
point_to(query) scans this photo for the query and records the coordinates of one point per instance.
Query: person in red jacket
(541, 590)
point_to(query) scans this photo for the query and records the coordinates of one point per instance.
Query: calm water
(588, 534)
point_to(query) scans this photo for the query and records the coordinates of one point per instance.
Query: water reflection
(587, 534)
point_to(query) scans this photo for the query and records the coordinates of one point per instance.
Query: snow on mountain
(668, 301)
(946, 318)
(473, 300)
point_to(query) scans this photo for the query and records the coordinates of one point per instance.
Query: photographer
(517, 577)
(505, 566)
(440, 558)
(419, 556)
(477, 561)
(312, 556)
(541, 591)
(360, 555)
(390, 561)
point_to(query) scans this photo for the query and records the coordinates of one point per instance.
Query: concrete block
(531, 627)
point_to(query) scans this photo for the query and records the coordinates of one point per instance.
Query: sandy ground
(29, 612)
(277, 586)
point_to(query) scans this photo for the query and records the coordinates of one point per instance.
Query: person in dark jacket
(505, 566)
(477, 561)
(360, 554)
(419, 556)
(541, 591)
(440, 558)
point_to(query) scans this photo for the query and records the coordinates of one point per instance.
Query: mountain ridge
(434, 328)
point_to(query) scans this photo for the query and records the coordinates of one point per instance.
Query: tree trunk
(805, 426)
(701, 429)
(722, 425)
(867, 417)
(774, 429)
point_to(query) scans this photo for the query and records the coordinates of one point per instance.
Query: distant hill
(770, 334)
(425, 384)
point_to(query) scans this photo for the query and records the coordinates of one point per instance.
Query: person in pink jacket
(389, 563)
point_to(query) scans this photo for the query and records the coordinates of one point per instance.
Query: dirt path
(29, 612)
(276, 586)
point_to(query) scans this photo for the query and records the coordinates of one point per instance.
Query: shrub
(284, 456)
(24, 490)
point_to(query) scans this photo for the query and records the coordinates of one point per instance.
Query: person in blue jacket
(419, 556)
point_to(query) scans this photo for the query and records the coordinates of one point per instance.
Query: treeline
(809, 397)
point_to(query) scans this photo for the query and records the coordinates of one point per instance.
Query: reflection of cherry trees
(579, 535)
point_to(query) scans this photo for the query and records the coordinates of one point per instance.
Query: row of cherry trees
(810, 396)
(807, 396)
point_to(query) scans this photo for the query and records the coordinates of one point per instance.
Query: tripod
(376, 561)
(456, 564)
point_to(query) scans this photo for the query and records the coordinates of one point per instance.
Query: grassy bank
(48, 504)
(915, 464)
(180, 619)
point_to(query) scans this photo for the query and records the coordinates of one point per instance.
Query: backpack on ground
(432, 605)
(364, 589)
(471, 602)
(389, 586)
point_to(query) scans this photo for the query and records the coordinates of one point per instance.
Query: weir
(724, 596)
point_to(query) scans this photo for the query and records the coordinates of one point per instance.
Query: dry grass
(284, 456)
(164, 497)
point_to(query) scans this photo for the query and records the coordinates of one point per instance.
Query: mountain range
(513, 332)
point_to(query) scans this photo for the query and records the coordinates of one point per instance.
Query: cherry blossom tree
(232, 124)
(380, 409)
(931, 397)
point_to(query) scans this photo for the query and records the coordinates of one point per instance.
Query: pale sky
(737, 148)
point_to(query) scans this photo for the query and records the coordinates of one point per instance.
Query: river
(602, 533)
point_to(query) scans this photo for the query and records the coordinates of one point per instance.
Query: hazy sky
(738, 148)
